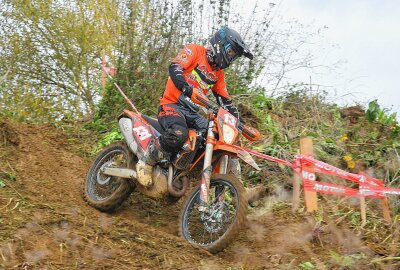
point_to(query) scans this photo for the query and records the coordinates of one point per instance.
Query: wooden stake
(310, 197)
(386, 211)
(363, 212)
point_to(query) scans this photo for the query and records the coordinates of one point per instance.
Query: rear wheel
(215, 228)
(105, 192)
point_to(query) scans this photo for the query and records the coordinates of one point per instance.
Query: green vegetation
(6, 176)
(345, 137)
(346, 260)
(307, 265)
(107, 139)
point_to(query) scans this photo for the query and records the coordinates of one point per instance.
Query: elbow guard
(176, 75)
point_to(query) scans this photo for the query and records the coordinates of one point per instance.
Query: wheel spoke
(101, 186)
(206, 228)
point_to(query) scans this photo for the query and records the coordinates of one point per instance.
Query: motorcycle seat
(154, 123)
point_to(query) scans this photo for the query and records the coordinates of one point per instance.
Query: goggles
(231, 54)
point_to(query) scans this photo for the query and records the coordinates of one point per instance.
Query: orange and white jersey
(198, 72)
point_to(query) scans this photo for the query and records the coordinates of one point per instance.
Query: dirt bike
(215, 209)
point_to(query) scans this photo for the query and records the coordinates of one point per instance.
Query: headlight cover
(229, 133)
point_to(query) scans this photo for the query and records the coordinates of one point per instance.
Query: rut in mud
(46, 224)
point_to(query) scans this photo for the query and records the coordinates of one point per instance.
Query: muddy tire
(107, 193)
(215, 229)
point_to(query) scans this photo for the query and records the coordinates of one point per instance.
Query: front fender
(239, 152)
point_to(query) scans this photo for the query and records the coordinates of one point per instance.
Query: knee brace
(173, 138)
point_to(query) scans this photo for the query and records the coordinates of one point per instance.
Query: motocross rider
(177, 111)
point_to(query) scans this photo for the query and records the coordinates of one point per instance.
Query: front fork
(206, 174)
(207, 168)
(223, 164)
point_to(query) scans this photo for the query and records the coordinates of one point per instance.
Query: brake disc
(214, 220)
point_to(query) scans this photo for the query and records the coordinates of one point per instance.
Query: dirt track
(45, 224)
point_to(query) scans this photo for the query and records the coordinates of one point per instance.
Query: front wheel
(215, 228)
(105, 192)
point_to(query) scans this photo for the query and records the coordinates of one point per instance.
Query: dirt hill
(46, 224)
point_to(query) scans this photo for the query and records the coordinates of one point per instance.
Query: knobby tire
(125, 186)
(234, 227)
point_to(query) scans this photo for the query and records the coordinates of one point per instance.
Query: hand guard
(250, 133)
(199, 98)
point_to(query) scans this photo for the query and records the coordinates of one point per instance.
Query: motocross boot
(144, 167)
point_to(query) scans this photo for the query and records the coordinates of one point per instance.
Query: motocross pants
(176, 120)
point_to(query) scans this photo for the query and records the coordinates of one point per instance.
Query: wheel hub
(101, 178)
(214, 220)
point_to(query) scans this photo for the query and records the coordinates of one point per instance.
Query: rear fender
(137, 132)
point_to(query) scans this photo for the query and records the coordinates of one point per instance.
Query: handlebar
(248, 132)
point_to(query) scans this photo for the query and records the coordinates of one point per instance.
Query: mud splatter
(35, 256)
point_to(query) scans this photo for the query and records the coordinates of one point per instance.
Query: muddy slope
(45, 223)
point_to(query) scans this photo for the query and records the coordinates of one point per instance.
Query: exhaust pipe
(131, 174)
(120, 172)
(171, 189)
(126, 126)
